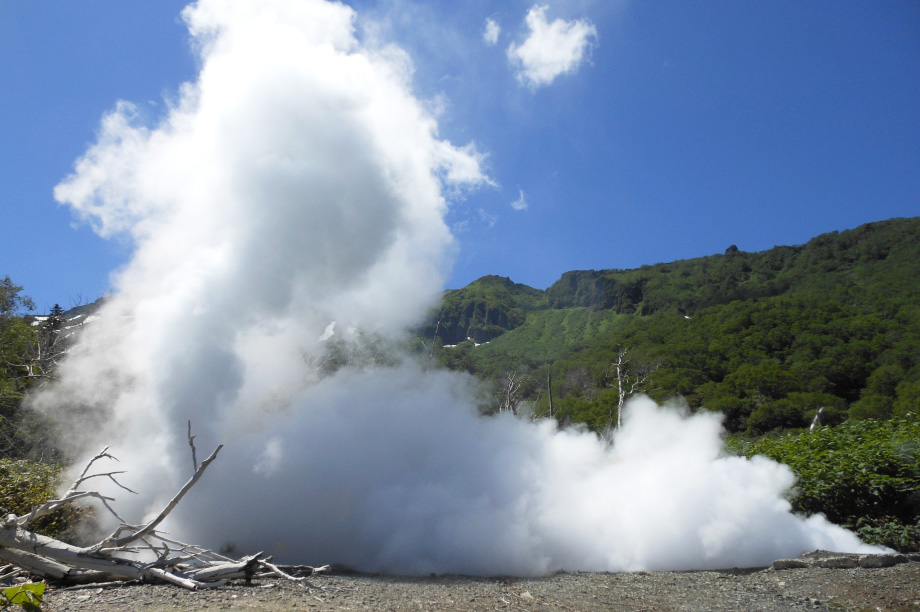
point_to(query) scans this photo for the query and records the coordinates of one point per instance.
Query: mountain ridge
(729, 276)
(733, 329)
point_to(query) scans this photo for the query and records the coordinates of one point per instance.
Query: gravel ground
(837, 589)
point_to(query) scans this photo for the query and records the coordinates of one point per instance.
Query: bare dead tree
(50, 342)
(510, 393)
(315, 362)
(631, 378)
(817, 420)
(429, 346)
(130, 552)
(538, 397)
(580, 381)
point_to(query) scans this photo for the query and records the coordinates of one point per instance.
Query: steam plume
(292, 197)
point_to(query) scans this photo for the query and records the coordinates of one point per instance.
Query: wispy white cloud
(491, 32)
(488, 217)
(551, 49)
(520, 203)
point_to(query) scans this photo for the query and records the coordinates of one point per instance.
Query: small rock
(881, 560)
(785, 564)
(838, 562)
(527, 596)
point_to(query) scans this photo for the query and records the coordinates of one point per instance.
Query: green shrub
(28, 595)
(908, 398)
(861, 474)
(775, 415)
(872, 407)
(888, 532)
(25, 485)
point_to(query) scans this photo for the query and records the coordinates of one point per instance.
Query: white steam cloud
(292, 199)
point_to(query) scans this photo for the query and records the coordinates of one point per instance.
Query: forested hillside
(767, 338)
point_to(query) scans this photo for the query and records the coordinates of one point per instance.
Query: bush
(862, 474)
(25, 485)
(797, 410)
(872, 407)
(888, 532)
(775, 415)
(908, 398)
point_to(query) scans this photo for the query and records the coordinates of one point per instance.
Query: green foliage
(17, 339)
(889, 532)
(797, 410)
(483, 310)
(28, 595)
(908, 398)
(27, 484)
(767, 338)
(597, 412)
(872, 407)
(780, 414)
(30, 348)
(862, 474)
(12, 302)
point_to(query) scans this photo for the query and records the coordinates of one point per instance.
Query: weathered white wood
(116, 557)
(54, 504)
(46, 568)
(17, 538)
(149, 527)
(244, 568)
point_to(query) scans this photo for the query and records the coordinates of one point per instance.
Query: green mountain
(483, 310)
(767, 338)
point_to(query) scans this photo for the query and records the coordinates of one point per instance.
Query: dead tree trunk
(510, 395)
(131, 552)
(630, 379)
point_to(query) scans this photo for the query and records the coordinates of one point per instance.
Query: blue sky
(679, 129)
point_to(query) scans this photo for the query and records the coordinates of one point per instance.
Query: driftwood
(130, 552)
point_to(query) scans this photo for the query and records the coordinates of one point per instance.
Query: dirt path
(838, 589)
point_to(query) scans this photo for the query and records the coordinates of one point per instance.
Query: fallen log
(130, 552)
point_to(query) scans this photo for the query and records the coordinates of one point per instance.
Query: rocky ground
(817, 581)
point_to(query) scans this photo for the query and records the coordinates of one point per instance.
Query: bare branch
(103, 454)
(149, 527)
(74, 494)
(118, 557)
(52, 505)
(191, 442)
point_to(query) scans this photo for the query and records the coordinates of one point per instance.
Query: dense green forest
(766, 338)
